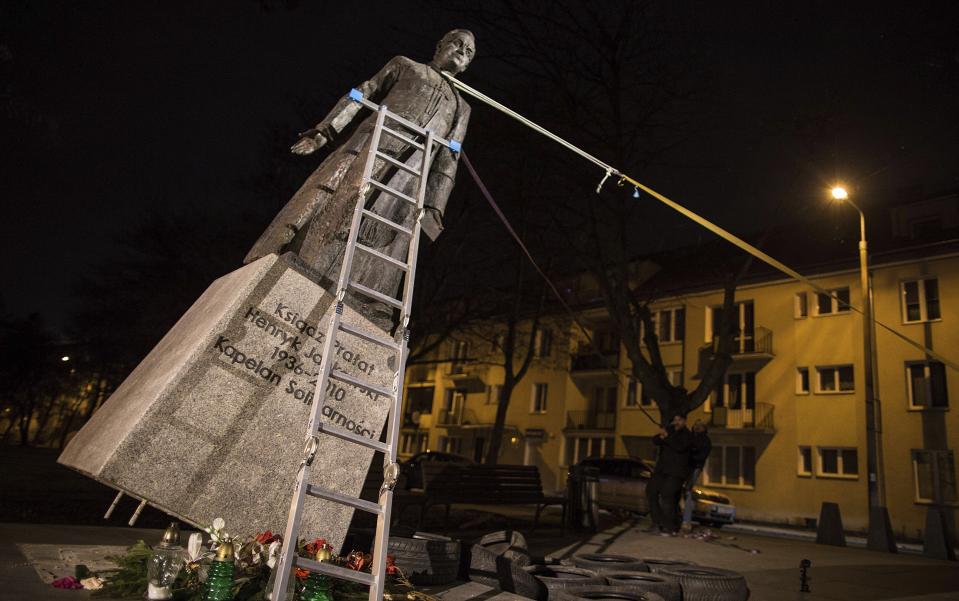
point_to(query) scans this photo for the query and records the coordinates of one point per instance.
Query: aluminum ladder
(382, 509)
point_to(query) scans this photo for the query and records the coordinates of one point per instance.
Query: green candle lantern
(317, 587)
(219, 580)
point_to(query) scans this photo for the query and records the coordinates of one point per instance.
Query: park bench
(448, 484)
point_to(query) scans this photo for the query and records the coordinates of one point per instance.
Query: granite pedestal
(212, 423)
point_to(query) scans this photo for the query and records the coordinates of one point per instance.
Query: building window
(632, 393)
(732, 466)
(837, 462)
(920, 300)
(581, 447)
(935, 476)
(835, 379)
(926, 385)
(800, 305)
(670, 324)
(837, 301)
(451, 444)
(492, 393)
(459, 353)
(413, 442)
(543, 346)
(538, 404)
(802, 380)
(805, 461)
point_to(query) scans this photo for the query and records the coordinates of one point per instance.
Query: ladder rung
(350, 436)
(394, 262)
(386, 221)
(398, 164)
(329, 495)
(403, 138)
(380, 340)
(392, 191)
(323, 567)
(383, 298)
(406, 123)
(342, 376)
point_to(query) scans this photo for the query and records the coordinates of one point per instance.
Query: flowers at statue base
(254, 558)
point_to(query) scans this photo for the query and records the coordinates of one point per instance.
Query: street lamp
(880, 529)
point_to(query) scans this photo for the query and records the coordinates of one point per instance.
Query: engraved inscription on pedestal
(212, 423)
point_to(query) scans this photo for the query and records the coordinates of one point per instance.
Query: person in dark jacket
(697, 458)
(675, 444)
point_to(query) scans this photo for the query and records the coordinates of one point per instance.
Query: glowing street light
(880, 531)
(65, 358)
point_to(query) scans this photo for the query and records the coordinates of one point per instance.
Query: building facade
(788, 423)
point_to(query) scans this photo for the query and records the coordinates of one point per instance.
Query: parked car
(410, 469)
(712, 507)
(622, 486)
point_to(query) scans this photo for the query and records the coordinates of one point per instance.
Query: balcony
(590, 420)
(468, 376)
(591, 363)
(757, 420)
(752, 350)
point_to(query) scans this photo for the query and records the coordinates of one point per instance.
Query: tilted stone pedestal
(212, 423)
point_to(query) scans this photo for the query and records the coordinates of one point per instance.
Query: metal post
(880, 531)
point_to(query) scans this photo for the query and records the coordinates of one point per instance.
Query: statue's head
(455, 51)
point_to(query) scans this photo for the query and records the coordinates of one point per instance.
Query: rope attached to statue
(610, 171)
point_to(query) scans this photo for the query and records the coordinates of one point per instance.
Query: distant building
(788, 423)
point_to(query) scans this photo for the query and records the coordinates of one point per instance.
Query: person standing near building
(675, 444)
(702, 445)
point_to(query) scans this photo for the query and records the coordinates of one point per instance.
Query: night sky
(114, 112)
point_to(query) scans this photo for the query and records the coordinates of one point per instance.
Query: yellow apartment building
(788, 424)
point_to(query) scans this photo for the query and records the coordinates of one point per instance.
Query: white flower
(93, 583)
(273, 553)
(219, 523)
(194, 548)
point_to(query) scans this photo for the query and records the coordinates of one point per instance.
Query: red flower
(316, 545)
(68, 582)
(265, 538)
(301, 573)
(391, 568)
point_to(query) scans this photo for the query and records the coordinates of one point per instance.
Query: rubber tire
(607, 592)
(607, 562)
(426, 558)
(665, 586)
(479, 564)
(700, 583)
(564, 578)
(656, 565)
(508, 543)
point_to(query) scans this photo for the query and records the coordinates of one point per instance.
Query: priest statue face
(455, 51)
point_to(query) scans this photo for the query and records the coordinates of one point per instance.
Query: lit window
(926, 385)
(802, 380)
(920, 300)
(935, 476)
(835, 379)
(800, 305)
(805, 461)
(732, 466)
(838, 462)
(837, 301)
(538, 404)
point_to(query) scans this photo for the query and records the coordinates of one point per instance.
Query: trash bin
(581, 490)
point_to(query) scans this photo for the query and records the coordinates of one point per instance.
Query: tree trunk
(496, 436)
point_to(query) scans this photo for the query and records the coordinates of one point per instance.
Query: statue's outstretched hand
(308, 145)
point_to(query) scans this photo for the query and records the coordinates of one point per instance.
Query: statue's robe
(315, 222)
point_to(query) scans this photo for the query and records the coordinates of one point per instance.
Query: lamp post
(880, 529)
